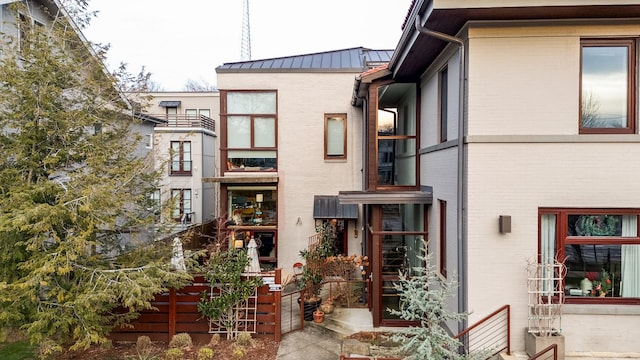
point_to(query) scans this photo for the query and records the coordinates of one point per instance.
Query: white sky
(188, 39)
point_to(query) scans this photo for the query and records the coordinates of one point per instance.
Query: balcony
(184, 121)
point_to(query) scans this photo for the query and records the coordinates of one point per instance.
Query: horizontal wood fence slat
(177, 312)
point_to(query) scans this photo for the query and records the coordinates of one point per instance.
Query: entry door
(398, 241)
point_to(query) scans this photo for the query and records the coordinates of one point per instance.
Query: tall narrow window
(172, 115)
(444, 104)
(205, 112)
(180, 158)
(607, 87)
(443, 237)
(335, 136)
(396, 135)
(182, 205)
(155, 204)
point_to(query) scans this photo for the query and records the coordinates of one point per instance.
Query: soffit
(416, 51)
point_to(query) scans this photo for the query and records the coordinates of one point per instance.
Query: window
(182, 205)
(602, 251)
(251, 131)
(335, 136)
(443, 237)
(607, 96)
(149, 141)
(205, 113)
(180, 158)
(396, 134)
(191, 113)
(443, 104)
(172, 115)
(155, 204)
(254, 212)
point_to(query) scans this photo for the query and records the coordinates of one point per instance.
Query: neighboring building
(289, 141)
(184, 144)
(520, 111)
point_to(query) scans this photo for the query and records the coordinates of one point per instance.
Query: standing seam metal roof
(354, 59)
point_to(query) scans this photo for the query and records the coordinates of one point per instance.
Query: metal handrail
(491, 332)
(544, 351)
(186, 121)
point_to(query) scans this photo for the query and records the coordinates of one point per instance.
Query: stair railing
(544, 352)
(492, 334)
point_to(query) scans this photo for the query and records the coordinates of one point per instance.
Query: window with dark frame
(396, 129)
(250, 131)
(443, 113)
(335, 136)
(601, 248)
(182, 211)
(442, 205)
(607, 86)
(181, 163)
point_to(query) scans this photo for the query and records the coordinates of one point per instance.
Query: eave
(416, 51)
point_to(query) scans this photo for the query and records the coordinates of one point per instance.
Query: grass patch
(19, 350)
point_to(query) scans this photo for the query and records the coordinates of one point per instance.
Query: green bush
(239, 351)
(182, 341)
(244, 339)
(174, 354)
(205, 353)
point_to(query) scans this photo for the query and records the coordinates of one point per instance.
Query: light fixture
(504, 224)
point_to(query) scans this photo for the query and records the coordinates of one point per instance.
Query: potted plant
(312, 274)
(318, 316)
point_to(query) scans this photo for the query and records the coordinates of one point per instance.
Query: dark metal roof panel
(354, 59)
(169, 103)
(328, 207)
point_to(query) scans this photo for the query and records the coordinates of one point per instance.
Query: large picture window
(181, 158)
(254, 213)
(251, 131)
(601, 248)
(607, 87)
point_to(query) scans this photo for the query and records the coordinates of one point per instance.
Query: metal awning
(328, 207)
(424, 196)
(170, 103)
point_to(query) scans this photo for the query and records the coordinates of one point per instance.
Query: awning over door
(170, 103)
(328, 207)
(424, 196)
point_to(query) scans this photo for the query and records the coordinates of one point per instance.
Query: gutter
(461, 238)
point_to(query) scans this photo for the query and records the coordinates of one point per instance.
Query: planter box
(534, 344)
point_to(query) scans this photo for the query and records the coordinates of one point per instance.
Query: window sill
(600, 309)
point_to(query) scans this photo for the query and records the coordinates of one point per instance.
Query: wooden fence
(177, 312)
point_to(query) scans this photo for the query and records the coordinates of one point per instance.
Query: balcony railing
(186, 121)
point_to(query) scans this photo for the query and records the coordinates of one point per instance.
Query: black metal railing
(186, 121)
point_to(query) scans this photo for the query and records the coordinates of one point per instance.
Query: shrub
(244, 339)
(215, 340)
(182, 340)
(143, 344)
(174, 354)
(205, 353)
(239, 351)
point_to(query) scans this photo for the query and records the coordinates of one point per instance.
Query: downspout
(461, 239)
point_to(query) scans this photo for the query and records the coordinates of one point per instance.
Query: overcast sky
(181, 40)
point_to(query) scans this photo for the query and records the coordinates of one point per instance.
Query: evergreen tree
(74, 199)
(424, 298)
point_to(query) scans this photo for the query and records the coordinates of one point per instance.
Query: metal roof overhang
(424, 196)
(329, 207)
(170, 103)
(415, 51)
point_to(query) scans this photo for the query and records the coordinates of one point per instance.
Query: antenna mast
(245, 46)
